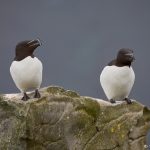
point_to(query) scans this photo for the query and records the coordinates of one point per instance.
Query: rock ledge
(64, 120)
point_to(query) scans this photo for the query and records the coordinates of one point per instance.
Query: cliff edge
(63, 120)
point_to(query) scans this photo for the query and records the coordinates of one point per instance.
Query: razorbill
(26, 69)
(117, 78)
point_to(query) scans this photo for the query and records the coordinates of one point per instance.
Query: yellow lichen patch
(122, 135)
(119, 126)
(112, 130)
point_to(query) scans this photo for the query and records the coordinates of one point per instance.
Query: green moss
(112, 133)
(79, 122)
(61, 91)
(110, 113)
(115, 111)
(71, 93)
(61, 99)
(90, 106)
(55, 90)
(135, 107)
(5, 106)
(146, 113)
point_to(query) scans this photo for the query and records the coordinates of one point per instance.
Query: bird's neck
(21, 57)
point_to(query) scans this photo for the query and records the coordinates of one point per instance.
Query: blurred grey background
(79, 38)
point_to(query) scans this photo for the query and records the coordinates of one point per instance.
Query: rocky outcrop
(63, 120)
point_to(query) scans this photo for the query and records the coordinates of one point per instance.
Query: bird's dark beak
(34, 43)
(131, 56)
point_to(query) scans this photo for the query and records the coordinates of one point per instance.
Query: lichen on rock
(63, 120)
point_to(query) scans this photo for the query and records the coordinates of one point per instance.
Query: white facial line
(39, 41)
(33, 45)
(129, 54)
(30, 41)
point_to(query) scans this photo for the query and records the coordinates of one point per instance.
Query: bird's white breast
(117, 82)
(27, 73)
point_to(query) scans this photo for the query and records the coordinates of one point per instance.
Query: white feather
(27, 73)
(117, 82)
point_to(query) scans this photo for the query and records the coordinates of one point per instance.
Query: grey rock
(63, 120)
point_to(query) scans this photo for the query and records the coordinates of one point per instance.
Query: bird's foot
(112, 101)
(128, 101)
(25, 97)
(37, 94)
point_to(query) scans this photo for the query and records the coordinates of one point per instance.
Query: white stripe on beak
(129, 54)
(30, 41)
(39, 41)
(34, 43)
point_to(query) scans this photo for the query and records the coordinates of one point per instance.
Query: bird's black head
(26, 48)
(125, 57)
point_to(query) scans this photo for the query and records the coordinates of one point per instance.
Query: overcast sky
(79, 38)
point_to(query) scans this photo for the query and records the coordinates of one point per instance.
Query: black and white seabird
(117, 78)
(26, 69)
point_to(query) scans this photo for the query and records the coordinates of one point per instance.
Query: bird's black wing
(112, 63)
